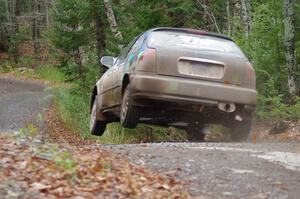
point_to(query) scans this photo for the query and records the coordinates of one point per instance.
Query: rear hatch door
(194, 56)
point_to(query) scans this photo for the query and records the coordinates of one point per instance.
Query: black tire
(195, 134)
(128, 114)
(96, 127)
(240, 131)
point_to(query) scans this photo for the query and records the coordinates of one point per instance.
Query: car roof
(191, 31)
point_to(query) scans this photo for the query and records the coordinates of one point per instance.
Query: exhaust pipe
(227, 107)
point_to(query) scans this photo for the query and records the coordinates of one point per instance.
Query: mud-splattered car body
(176, 77)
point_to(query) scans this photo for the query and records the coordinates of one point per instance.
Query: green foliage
(29, 132)
(2, 11)
(73, 109)
(5, 66)
(3, 27)
(297, 17)
(272, 107)
(264, 46)
(70, 29)
(74, 32)
(50, 73)
(274, 110)
(64, 160)
(138, 16)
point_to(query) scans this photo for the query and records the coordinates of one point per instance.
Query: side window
(123, 53)
(137, 44)
(126, 50)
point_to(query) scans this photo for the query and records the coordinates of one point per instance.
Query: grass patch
(50, 73)
(73, 110)
(5, 66)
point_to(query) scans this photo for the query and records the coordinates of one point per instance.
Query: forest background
(63, 41)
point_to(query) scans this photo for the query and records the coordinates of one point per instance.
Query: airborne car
(177, 77)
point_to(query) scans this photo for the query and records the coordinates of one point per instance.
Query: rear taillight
(250, 69)
(147, 60)
(250, 76)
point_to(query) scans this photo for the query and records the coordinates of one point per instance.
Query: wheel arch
(93, 97)
(125, 82)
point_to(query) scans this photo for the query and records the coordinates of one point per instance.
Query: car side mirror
(108, 61)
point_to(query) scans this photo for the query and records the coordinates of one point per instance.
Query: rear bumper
(177, 89)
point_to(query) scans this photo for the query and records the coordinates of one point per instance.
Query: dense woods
(74, 34)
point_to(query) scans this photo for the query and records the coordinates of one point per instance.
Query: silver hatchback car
(177, 77)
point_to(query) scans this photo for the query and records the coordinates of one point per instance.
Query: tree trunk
(18, 9)
(35, 27)
(47, 15)
(46, 19)
(78, 61)
(112, 20)
(278, 70)
(7, 11)
(229, 17)
(98, 14)
(13, 18)
(246, 13)
(13, 30)
(290, 50)
(100, 38)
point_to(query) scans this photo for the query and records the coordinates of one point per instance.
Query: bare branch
(210, 15)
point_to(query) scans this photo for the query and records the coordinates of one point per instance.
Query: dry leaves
(74, 168)
(84, 171)
(58, 134)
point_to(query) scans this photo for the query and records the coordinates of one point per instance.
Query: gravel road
(21, 103)
(209, 170)
(224, 170)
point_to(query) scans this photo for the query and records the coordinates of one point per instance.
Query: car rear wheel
(195, 133)
(128, 113)
(96, 127)
(240, 131)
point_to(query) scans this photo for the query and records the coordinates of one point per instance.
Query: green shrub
(50, 73)
(5, 66)
(73, 109)
(273, 109)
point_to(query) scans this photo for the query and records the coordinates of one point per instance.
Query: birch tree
(112, 20)
(229, 17)
(290, 49)
(246, 14)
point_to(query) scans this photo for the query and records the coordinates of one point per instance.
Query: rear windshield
(197, 42)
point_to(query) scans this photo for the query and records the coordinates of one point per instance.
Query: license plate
(201, 69)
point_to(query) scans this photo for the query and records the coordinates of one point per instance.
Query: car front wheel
(128, 113)
(96, 127)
